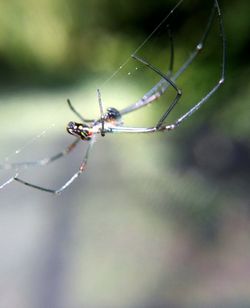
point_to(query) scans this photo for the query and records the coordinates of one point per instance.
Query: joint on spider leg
(170, 127)
(163, 128)
(70, 147)
(199, 47)
(179, 92)
(135, 57)
(83, 167)
(221, 81)
(45, 161)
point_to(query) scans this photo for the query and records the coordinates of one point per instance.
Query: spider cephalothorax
(80, 130)
(112, 115)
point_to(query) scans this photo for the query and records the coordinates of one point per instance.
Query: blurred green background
(156, 221)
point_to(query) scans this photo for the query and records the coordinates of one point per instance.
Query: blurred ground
(156, 221)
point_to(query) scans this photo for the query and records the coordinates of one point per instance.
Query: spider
(110, 121)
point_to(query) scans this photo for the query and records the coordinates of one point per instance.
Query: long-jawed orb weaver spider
(110, 121)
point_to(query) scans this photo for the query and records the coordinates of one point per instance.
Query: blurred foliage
(62, 40)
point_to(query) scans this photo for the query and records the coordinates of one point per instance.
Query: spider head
(80, 130)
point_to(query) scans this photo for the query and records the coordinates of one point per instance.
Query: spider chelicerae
(111, 121)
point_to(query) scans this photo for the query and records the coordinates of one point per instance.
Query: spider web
(142, 44)
(130, 72)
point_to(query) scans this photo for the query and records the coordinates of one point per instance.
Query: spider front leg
(81, 169)
(72, 108)
(172, 83)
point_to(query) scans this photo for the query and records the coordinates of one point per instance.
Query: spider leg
(172, 83)
(186, 115)
(41, 162)
(223, 63)
(154, 93)
(200, 46)
(72, 108)
(81, 169)
(8, 181)
(159, 88)
(101, 111)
